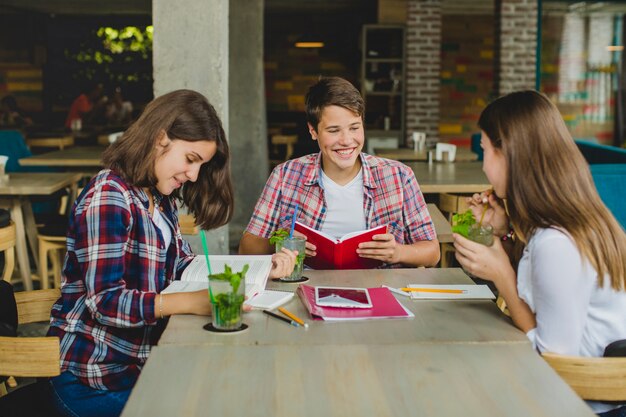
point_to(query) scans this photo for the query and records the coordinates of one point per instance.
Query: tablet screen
(342, 297)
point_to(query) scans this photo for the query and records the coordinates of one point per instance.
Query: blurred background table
(450, 177)
(14, 195)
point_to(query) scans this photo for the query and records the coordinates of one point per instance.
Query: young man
(341, 190)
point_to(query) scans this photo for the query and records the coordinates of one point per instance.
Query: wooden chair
(593, 379)
(51, 246)
(450, 204)
(31, 356)
(188, 224)
(58, 142)
(288, 141)
(7, 245)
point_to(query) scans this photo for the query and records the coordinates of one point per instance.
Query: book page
(383, 229)
(256, 277)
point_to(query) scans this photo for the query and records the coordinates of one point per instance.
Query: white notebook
(269, 299)
(469, 292)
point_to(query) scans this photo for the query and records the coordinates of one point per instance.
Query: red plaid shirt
(391, 196)
(116, 263)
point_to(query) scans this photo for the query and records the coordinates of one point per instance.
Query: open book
(384, 306)
(339, 253)
(195, 276)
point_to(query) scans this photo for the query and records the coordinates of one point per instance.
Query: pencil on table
(440, 290)
(293, 317)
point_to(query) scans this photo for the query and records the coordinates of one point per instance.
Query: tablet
(343, 297)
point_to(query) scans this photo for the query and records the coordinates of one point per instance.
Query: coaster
(210, 328)
(288, 281)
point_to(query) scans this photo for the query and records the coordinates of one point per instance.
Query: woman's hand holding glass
(495, 214)
(487, 262)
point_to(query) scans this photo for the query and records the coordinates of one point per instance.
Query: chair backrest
(31, 356)
(610, 181)
(288, 140)
(13, 145)
(593, 379)
(7, 245)
(450, 204)
(595, 153)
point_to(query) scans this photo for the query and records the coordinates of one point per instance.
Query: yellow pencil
(293, 317)
(442, 290)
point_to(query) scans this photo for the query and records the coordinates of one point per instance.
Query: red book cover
(339, 253)
(384, 306)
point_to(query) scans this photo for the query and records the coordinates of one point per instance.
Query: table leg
(31, 229)
(20, 243)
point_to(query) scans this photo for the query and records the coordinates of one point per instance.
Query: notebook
(269, 299)
(339, 253)
(470, 292)
(384, 306)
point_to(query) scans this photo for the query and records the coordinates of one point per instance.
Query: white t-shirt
(159, 221)
(574, 315)
(344, 205)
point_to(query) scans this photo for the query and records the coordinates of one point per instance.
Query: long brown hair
(549, 183)
(185, 115)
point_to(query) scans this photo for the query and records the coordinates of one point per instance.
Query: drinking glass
(482, 234)
(227, 296)
(294, 243)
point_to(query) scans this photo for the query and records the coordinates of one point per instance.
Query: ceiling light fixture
(615, 48)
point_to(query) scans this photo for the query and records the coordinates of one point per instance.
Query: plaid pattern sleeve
(266, 216)
(394, 198)
(116, 263)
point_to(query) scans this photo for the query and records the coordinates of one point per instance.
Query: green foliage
(278, 235)
(461, 222)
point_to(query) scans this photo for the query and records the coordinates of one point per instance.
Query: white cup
(419, 141)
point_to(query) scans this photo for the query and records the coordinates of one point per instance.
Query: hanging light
(308, 41)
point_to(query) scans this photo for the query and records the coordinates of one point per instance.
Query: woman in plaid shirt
(342, 190)
(124, 246)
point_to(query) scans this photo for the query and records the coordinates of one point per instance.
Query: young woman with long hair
(568, 293)
(124, 246)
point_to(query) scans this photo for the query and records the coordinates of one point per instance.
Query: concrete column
(248, 126)
(190, 50)
(423, 66)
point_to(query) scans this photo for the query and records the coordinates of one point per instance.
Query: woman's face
(494, 166)
(179, 161)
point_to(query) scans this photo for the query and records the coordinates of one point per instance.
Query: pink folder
(384, 306)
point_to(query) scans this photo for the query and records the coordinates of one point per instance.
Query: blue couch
(595, 153)
(610, 181)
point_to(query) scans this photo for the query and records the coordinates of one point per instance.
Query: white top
(159, 221)
(574, 315)
(344, 205)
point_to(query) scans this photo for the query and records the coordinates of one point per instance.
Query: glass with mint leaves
(280, 239)
(226, 291)
(466, 225)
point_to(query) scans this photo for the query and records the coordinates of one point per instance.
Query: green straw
(206, 256)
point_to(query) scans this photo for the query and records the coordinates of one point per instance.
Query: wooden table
(470, 321)
(450, 177)
(78, 156)
(409, 155)
(356, 380)
(454, 358)
(14, 196)
(442, 226)
(60, 142)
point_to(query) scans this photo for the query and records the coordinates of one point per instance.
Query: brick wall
(517, 44)
(423, 38)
